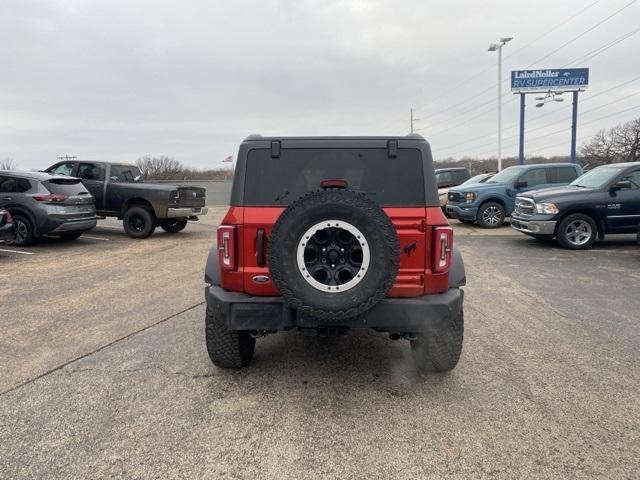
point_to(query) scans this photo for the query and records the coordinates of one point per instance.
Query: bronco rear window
(388, 181)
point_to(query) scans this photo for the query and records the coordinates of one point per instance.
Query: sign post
(574, 125)
(521, 149)
(550, 81)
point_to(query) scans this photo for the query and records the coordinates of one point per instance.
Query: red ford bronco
(325, 235)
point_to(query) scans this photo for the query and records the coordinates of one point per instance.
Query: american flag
(229, 159)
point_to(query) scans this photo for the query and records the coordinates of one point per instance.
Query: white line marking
(15, 251)
(95, 238)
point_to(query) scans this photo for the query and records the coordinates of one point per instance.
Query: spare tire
(333, 254)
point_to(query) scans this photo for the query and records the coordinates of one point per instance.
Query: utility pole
(412, 119)
(67, 157)
(492, 48)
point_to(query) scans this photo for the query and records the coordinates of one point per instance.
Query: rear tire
(70, 236)
(139, 222)
(577, 231)
(490, 215)
(173, 225)
(439, 351)
(23, 231)
(227, 349)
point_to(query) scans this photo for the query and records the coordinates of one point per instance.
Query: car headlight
(547, 208)
(470, 197)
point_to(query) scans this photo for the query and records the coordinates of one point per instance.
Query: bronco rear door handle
(260, 248)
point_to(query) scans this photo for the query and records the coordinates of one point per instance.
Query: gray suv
(44, 204)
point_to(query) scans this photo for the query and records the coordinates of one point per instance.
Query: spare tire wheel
(333, 254)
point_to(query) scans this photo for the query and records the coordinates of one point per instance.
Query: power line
(553, 29)
(587, 99)
(529, 130)
(582, 34)
(581, 124)
(601, 49)
(606, 19)
(540, 37)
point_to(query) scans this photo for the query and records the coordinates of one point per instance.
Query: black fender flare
(212, 268)
(457, 275)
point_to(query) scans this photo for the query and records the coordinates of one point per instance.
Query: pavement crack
(138, 370)
(88, 354)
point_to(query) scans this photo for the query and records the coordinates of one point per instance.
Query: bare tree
(160, 168)
(165, 168)
(618, 144)
(8, 164)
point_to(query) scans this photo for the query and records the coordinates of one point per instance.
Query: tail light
(227, 247)
(51, 198)
(5, 218)
(442, 247)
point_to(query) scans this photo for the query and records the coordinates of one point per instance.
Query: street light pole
(492, 48)
(500, 108)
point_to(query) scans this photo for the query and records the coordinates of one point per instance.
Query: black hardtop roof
(411, 136)
(40, 176)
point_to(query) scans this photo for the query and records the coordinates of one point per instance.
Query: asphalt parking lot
(103, 372)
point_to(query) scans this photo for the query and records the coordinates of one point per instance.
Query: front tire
(577, 231)
(23, 232)
(139, 222)
(490, 215)
(173, 225)
(439, 351)
(227, 349)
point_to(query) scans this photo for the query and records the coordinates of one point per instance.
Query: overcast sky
(117, 80)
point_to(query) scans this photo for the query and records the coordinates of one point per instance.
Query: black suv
(603, 201)
(43, 204)
(451, 177)
(325, 235)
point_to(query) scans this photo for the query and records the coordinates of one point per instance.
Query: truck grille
(525, 206)
(191, 197)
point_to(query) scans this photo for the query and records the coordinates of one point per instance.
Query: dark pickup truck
(604, 201)
(120, 192)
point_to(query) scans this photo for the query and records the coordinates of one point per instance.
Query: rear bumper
(533, 227)
(59, 225)
(462, 211)
(418, 314)
(186, 212)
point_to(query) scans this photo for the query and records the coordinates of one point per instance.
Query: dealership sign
(564, 79)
